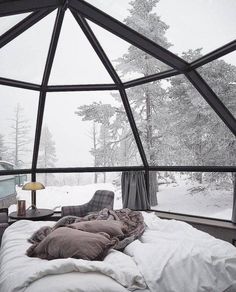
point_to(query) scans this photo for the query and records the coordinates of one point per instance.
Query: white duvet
(175, 257)
(171, 256)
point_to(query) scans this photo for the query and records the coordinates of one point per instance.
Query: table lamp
(33, 187)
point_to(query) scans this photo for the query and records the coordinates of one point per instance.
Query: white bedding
(170, 256)
(175, 257)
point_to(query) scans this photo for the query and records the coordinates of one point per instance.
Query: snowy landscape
(181, 197)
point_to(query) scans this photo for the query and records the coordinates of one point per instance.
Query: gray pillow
(40, 234)
(67, 242)
(111, 227)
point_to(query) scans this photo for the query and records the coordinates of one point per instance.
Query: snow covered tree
(203, 138)
(19, 136)
(100, 114)
(47, 152)
(146, 98)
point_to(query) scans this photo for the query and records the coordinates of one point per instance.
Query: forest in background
(175, 124)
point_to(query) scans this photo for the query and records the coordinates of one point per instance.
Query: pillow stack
(88, 240)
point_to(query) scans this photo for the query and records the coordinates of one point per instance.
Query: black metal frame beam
(22, 26)
(118, 28)
(24, 6)
(151, 78)
(212, 99)
(47, 70)
(133, 126)
(121, 168)
(194, 168)
(71, 170)
(82, 87)
(107, 64)
(96, 46)
(226, 49)
(15, 171)
(19, 84)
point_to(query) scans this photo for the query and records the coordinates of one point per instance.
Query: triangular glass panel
(24, 57)
(207, 25)
(18, 114)
(75, 60)
(86, 129)
(220, 74)
(129, 61)
(8, 22)
(178, 127)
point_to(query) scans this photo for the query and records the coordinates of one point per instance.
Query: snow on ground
(180, 197)
(53, 196)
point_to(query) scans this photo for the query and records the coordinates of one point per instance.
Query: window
(178, 127)
(86, 129)
(64, 189)
(25, 56)
(221, 76)
(207, 194)
(18, 114)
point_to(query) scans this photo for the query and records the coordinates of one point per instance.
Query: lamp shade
(33, 186)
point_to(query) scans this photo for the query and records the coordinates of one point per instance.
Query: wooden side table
(33, 214)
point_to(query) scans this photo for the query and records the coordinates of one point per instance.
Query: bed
(170, 256)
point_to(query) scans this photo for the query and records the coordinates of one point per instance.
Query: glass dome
(97, 86)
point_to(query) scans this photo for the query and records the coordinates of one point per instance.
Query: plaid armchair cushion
(100, 200)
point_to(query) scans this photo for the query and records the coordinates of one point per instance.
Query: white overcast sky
(193, 24)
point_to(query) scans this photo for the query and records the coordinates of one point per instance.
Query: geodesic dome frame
(83, 11)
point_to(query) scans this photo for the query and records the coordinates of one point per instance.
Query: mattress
(169, 256)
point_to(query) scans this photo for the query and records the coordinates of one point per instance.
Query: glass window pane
(18, 114)
(129, 61)
(221, 76)
(208, 194)
(178, 127)
(24, 57)
(63, 189)
(7, 187)
(177, 25)
(86, 129)
(8, 22)
(75, 60)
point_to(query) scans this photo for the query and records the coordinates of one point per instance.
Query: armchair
(100, 200)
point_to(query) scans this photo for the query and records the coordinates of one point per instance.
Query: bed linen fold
(18, 271)
(175, 257)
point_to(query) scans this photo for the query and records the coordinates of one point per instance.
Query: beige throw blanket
(132, 220)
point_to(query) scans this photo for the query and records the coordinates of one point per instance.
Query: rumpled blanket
(132, 220)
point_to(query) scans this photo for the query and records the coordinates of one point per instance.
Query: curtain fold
(234, 201)
(134, 191)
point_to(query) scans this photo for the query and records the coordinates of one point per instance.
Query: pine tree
(146, 98)
(203, 138)
(100, 114)
(19, 137)
(47, 152)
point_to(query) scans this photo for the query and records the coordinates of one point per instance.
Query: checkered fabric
(100, 200)
(3, 222)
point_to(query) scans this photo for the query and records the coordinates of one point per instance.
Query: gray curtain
(234, 201)
(134, 192)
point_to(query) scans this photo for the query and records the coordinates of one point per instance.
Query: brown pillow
(40, 234)
(67, 242)
(111, 227)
